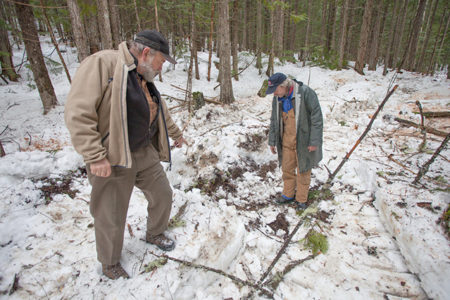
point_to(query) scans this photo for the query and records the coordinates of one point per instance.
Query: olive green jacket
(309, 125)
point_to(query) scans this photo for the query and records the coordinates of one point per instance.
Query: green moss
(317, 242)
(151, 266)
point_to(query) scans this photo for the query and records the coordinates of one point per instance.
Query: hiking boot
(301, 205)
(114, 271)
(160, 240)
(283, 199)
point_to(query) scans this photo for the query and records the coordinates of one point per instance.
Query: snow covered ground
(384, 240)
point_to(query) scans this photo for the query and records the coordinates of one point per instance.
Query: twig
(422, 128)
(130, 230)
(331, 177)
(220, 272)
(426, 166)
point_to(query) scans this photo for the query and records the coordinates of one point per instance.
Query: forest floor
(372, 234)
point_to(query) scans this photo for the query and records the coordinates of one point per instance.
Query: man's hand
(273, 149)
(312, 148)
(101, 168)
(180, 141)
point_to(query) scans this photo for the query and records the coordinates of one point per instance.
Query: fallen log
(426, 128)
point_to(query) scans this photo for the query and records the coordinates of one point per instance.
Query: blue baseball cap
(274, 81)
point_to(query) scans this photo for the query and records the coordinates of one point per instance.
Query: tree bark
(364, 36)
(259, 35)
(115, 23)
(105, 24)
(421, 59)
(34, 54)
(226, 88)
(210, 48)
(92, 30)
(138, 19)
(373, 49)
(6, 53)
(234, 38)
(278, 28)
(308, 33)
(344, 32)
(78, 29)
(269, 70)
(411, 49)
(398, 37)
(330, 24)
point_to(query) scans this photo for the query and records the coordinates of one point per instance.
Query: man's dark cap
(155, 40)
(274, 81)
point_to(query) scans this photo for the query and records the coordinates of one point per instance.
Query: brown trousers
(110, 198)
(289, 164)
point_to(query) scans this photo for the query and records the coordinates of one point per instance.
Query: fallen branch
(422, 128)
(426, 166)
(220, 272)
(427, 128)
(435, 114)
(276, 280)
(331, 177)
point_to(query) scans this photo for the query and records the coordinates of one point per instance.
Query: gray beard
(149, 74)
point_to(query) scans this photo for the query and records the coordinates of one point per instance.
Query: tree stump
(198, 99)
(263, 89)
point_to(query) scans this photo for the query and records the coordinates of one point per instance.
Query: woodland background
(395, 35)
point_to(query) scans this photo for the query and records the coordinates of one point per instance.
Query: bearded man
(121, 126)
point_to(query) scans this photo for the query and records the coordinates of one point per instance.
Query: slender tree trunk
(194, 41)
(210, 47)
(364, 36)
(411, 49)
(259, 35)
(226, 88)
(245, 26)
(93, 32)
(324, 26)
(157, 28)
(390, 43)
(330, 24)
(308, 33)
(234, 39)
(105, 24)
(421, 59)
(279, 29)
(115, 23)
(442, 43)
(55, 42)
(6, 52)
(431, 66)
(269, 70)
(293, 27)
(79, 32)
(138, 19)
(34, 54)
(373, 49)
(398, 37)
(344, 31)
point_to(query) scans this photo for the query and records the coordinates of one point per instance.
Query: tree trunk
(234, 38)
(115, 23)
(373, 49)
(105, 24)
(293, 27)
(259, 35)
(308, 33)
(431, 66)
(194, 41)
(269, 70)
(93, 32)
(278, 29)
(344, 32)
(78, 29)
(210, 48)
(330, 24)
(411, 50)
(34, 54)
(138, 19)
(6, 53)
(324, 22)
(226, 88)
(364, 37)
(398, 37)
(245, 27)
(421, 59)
